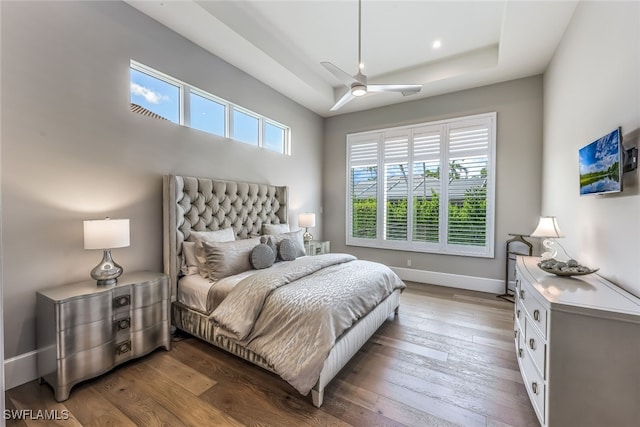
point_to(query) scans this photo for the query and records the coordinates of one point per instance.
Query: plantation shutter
(363, 187)
(468, 157)
(396, 184)
(426, 184)
(427, 187)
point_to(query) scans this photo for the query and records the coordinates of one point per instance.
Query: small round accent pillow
(287, 250)
(262, 256)
(269, 242)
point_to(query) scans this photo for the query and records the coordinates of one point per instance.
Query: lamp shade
(547, 227)
(106, 233)
(307, 219)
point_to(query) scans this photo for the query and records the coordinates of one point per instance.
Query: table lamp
(106, 234)
(548, 229)
(306, 220)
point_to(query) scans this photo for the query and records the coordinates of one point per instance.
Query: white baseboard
(472, 283)
(20, 369)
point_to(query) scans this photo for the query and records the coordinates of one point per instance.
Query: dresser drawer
(536, 347)
(150, 293)
(537, 312)
(143, 318)
(535, 386)
(85, 364)
(83, 337)
(142, 342)
(79, 311)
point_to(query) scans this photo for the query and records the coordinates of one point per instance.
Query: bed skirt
(347, 345)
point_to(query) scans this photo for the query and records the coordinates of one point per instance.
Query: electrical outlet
(409, 262)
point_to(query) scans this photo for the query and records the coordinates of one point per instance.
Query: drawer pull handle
(532, 344)
(518, 314)
(536, 315)
(515, 334)
(534, 387)
(124, 324)
(123, 348)
(522, 294)
(520, 353)
(122, 301)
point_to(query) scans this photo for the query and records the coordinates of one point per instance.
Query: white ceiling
(282, 43)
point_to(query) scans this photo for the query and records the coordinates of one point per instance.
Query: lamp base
(106, 273)
(551, 251)
(307, 237)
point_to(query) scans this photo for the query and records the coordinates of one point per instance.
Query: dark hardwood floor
(447, 359)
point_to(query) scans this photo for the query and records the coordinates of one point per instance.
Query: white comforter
(292, 316)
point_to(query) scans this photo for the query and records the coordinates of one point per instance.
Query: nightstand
(317, 247)
(84, 330)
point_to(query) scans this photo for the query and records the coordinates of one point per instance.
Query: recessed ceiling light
(436, 44)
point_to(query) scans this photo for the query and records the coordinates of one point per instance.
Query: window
(207, 115)
(424, 188)
(274, 137)
(157, 95)
(246, 127)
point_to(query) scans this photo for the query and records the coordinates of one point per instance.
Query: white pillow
(189, 260)
(222, 235)
(275, 228)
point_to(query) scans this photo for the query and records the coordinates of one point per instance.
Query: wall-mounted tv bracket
(630, 159)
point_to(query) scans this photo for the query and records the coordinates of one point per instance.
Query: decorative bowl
(565, 269)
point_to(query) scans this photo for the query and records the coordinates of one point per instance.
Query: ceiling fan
(357, 84)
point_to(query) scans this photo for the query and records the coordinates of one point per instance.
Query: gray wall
(72, 150)
(518, 158)
(591, 87)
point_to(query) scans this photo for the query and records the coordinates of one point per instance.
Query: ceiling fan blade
(339, 74)
(348, 96)
(404, 89)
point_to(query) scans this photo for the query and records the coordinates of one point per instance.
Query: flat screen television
(601, 165)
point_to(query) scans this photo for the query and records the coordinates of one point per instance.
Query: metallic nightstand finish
(85, 330)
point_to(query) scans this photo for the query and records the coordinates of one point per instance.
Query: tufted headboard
(201, 204)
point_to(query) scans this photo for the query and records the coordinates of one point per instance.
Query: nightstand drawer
(143, 341)
(149, 294)
(143, 318)
(87, 363)
(80, 311)
(83, 337)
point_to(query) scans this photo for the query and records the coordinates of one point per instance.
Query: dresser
(577, 342)
(84, 330)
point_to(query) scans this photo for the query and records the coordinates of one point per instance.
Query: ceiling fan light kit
(357, 85)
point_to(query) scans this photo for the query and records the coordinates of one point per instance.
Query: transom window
(424, 188)
(157, 95)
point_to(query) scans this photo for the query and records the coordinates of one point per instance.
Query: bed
(247, 313)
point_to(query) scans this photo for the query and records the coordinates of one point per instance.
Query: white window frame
(185, 109)
(442, 246)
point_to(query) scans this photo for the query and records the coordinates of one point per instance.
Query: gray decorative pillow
(222, 235)
(287, 250)
(262, 256)
(295, 237)
(222, 259)
(269, 242)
